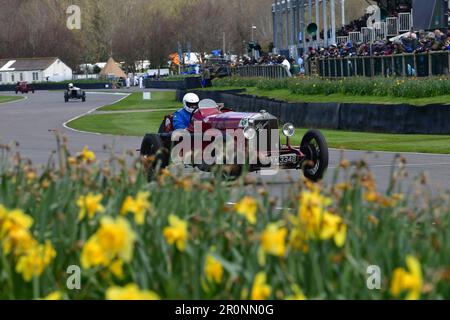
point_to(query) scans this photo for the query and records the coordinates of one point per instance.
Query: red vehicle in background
(23, 87)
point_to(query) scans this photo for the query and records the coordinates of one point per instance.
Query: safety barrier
(407, 65)
(393, 26)
(404, 22)
(380, 30)
(275, 71)
(342, 40)
(355, 37)
(363, 117)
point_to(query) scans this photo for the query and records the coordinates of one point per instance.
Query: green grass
(125, 124)
(179, 77)
(160, 100)
(138, 124)
(287, 95)
(383, 142)
(4, 99)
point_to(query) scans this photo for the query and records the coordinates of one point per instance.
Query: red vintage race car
(23, 87)
(255, 135)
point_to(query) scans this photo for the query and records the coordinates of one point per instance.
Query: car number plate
(284, 159)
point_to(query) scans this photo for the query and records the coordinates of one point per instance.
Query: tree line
(130, 30)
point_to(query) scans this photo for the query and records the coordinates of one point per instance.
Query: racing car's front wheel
(154, 154)
(315, 148)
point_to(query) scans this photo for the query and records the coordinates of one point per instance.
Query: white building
(33, 70)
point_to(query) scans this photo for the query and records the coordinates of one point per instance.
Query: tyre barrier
(185, 84)
(399, 119)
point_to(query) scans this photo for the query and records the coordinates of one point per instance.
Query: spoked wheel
(315, 148)
(155, 155)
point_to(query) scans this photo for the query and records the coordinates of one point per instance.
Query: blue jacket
(181, 119)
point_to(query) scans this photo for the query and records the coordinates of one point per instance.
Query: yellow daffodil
(260, 290)
(35, 260)
(116, 238)
(333, 227)
(130, 292)
(57, 295)
(138, 206)
(16, 219)
(297, 294)
(3, 213)
(298, 240)
(116, 268)
(15, 235)
(247, 207)
(90, 205)
(409, 280)
(273, 240)
(92, 254)
(213, 269)
(315, 222)
(87, 155)
(176, 232)
(113, 240)
(312, 208)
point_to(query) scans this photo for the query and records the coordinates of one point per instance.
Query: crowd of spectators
(355, 25)
(410, 42)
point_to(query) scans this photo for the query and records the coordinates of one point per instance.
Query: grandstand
(295, 20)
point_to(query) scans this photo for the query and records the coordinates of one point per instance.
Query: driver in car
(72, 87)
(182, 118)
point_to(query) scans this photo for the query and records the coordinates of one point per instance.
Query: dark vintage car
(311, 155)
(24, 87)
(74, 93)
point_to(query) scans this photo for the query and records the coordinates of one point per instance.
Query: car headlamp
(249, 133)
(288, 130)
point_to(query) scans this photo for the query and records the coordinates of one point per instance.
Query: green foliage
(355, 86)
(383, 229)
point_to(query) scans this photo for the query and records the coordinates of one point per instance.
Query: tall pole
(325, 23)
(287, 24)
(275, 26)
(317, 4)
(343, 12)
(224, 45)
(333, 21)
(310, 12)
(294, 23)
(303, 24)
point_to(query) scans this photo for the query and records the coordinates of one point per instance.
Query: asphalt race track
(31, 123)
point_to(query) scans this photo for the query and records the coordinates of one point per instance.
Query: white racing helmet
(70, 85)
(190, 102)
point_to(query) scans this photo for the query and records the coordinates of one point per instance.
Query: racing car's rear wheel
(155, 155)
(315, 148)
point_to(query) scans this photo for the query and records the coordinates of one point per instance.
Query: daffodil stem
(36, 288)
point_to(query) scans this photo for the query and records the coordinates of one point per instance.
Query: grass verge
(287, 95)
(160, 100)
(5, 99)
(124, 124)
(138, 124)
